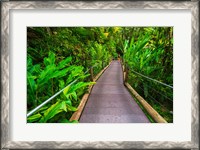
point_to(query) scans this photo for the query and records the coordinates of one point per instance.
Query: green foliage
(149, 51)
(34, 118)
(57, 56)
(52, 111)
(67, 121)
(42, 81)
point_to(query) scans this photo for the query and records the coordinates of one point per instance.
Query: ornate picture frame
(6, 143)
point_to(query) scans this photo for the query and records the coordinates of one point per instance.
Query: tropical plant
(41, 84)
(149, 52)
(57, 56)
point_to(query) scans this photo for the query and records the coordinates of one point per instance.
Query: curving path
(110, 101)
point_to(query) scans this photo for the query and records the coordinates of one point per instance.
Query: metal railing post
(127, 72)
(91, 74)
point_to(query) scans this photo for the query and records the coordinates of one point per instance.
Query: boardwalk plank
(110, 101)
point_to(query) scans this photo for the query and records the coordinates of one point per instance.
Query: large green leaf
(32, 86)
(50, 60)
(60, 73)
(63, 106)
(142, 43)
(37, 68)
(80, 85)
(52, 111)
(71, 108)
(61, 84)
(29, 64)
(71, 95)
(34, 118)
(46, 74)
(64, 63)
(68, 102)
(66, 90)
(74, 95)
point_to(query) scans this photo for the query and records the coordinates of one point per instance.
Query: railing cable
(48, 100)
(153, 79)
(160, 93)
(154, 99)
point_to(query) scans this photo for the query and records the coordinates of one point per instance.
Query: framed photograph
(100, 74)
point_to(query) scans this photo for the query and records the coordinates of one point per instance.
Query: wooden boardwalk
(110, 101)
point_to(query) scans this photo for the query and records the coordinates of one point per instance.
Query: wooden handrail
(152, 112)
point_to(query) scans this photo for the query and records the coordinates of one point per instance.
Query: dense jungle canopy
(56, 56)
